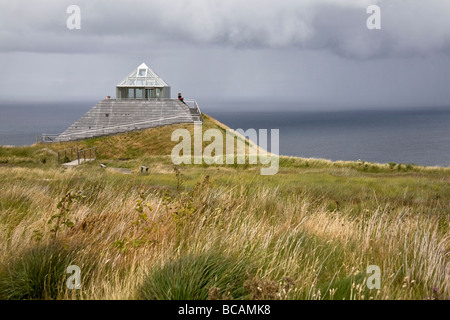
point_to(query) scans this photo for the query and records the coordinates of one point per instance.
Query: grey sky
(315, 51)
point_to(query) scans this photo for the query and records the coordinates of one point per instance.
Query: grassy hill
(221, 231)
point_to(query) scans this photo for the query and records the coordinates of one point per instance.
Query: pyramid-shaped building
(142, 101)
(142, 83)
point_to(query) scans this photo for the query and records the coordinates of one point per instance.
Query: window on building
(142, 72)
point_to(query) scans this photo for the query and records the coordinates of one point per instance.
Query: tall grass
(221, 231)
(218, 237)
(202, 276)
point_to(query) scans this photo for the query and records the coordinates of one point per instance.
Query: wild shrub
(196, 277)
(37, 273)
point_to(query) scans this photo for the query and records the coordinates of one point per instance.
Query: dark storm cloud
(409, 28)
(307, 51)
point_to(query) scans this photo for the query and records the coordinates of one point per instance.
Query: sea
(419, 135)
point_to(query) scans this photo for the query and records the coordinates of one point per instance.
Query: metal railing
(142, 99)
(83, 153)
(48, 138)
(72, 154)
(67, 152)
(192, 104)
(69, 135)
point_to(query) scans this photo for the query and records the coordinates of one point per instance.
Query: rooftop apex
(143, 76)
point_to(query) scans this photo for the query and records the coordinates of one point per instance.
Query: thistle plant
(64, 207)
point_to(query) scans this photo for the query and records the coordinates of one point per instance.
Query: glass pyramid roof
(143, 76)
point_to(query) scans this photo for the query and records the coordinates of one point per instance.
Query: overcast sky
(314, 51)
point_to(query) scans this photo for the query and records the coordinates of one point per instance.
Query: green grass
(36, 273)
(196, 277)
(220, 231)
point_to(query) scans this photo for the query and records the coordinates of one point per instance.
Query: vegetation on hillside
(218, 232)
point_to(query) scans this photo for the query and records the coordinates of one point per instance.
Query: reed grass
(222, 232)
